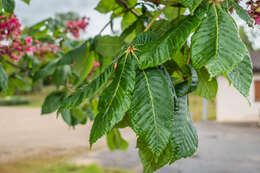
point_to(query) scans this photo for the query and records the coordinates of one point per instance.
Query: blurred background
(228, 126)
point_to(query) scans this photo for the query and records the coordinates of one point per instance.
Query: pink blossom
(28, 40)
(14, 57)
(30, 49)
(37, 42)
(74, 27)
(20, 54)
(95, 64)
(257, 20)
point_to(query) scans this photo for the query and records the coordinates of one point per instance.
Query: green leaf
(90, 89)
(207, 87)
(60, 75)
(191, 4)
(108, 46)
(52, 102)
(130, 32)
(90, 113)
(3, 78)
(115, 99)
(48, 69)
(227, 5)
(241, 77)
(242, 13)
(150, 163)
(125, 122)
(68, 118)
(73, 55)
(166, 47)
(171, 13)
(189, 85)
(150, 117)
(216, 44)
(105, 6)
(26, 1)
(78, 114)
(184, 139)
(115, 141)
(160, 27)
(8, 5)
(84, 65)
(128, 19)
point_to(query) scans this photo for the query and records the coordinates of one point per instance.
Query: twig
(17, 66)
(169, 3)
(188, 60)
(125, 5)
(154, 18)
(106, 25)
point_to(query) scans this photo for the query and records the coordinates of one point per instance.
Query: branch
(17, 66)
(158, 2)
(125, 5)
(154, 18)
(106, 25)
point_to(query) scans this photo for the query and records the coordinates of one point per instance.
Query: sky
(42, 9)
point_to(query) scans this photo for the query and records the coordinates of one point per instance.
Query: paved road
(223, 149)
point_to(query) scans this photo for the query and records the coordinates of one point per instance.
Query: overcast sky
(41, 9)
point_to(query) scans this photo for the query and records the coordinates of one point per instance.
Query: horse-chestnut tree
(145, 74)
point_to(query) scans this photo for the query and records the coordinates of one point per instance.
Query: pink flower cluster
(74, 27)
(254, 10)
(10, 30)
(9, 27)
(19, 48)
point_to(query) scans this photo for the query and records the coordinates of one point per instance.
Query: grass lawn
(36, 99)
(196, 108)
(53, 165)
(67, 168)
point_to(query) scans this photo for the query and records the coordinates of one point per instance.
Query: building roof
(255, 56)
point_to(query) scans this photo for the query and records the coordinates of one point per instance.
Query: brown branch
(17, 66)
(188, 60)
(158, 2)
(154, 18)
(125, 5)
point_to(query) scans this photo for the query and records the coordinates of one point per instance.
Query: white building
(231, 106)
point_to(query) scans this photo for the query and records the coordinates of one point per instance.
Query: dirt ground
(25, 133)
